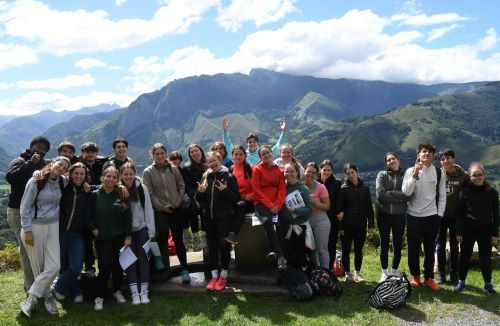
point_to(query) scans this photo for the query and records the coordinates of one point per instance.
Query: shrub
(9, 258)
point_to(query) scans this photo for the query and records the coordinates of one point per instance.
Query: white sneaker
(383, 277)
(59, 296)
(50, 305)
(119, 296)
(136, 299)
(28, 305)
(145, 297)
(78, 299)
(98, 304)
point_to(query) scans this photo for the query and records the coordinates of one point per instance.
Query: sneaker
(136, 299)
(272, 256)
(119, 297)
(383, 277)
(415, 282)
(185, 277)
(28, 305)
(98, 304)
(50, 305)
(78, 299)
(59, 296)
(90, 272)
(359, 279)
(281, 263)
(231, 238)
(488, 288)
(211, 284)
(431, 284)
(221, 284)
(460, 286)
(441, 279)
(145, 297)
(349, 278)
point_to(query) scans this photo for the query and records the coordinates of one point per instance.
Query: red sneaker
(431, 284)
(221, 284)
(211, 284)
(415, 282)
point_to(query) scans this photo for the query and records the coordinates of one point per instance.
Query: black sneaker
(488, 288)
(231, 238)
(272, 256)
(441, 279)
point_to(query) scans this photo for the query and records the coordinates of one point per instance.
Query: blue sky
(71, 54)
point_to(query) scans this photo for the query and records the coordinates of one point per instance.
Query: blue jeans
(71, 244)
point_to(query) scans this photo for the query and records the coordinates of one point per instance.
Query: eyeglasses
(477, 175)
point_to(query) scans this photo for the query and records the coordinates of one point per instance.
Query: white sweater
(423, 192)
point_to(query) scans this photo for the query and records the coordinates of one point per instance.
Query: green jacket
(300, 215)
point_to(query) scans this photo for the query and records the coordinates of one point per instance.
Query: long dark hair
(133, 193)
(192, 163)
(247, 168)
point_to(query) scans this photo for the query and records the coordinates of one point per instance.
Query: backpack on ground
(391, 293)
(297, 283)
(337, 267)
(325, 282)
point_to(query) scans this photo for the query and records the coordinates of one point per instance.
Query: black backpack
(391, 293)
(325, 282)
(297, 283)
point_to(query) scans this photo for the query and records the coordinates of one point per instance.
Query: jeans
(71, 244)
(386, 223)
(447, 224)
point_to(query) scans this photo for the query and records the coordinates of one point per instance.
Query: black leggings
(275, 239)
(332, 239)
(483, 238)
(217, 229)
(295, 249)
(386, 223)
(138, 272)
(358, 236)
(192, 218)
(108, 252)
(163, 223)
(447, 224)
(244, 207)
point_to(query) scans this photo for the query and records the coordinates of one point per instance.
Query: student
(456, 179)
(167, 190)
(286, 156)
(253, 142)
(143, 230)
(120, 148)
(40, 232)
(319, 219)
(218, 193)
(355, 206)
(220, 148)
(67, 149)
(18, 173)
(327, 178)
(71, 234)
(427, 190)
(242, 171)
(391, 206)
(295, 245)
(479, 222)
(192, 172)
(108, 216)
(269, 189)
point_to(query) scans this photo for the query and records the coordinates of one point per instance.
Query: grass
(168, 308)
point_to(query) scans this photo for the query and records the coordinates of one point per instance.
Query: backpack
(325, 282)
(39, 187)
(297, 283)
(391, 293)
(337, 267)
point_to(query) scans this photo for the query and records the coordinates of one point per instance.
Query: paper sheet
(127, 257)
(154, 248)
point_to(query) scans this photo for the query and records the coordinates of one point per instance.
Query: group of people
(61, 209)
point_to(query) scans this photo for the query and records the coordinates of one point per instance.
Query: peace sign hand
(202, 186)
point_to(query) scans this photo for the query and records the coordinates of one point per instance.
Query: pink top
(319, 191)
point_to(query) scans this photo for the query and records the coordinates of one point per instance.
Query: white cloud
(12, 55)
(89, 63)
(258, 11)
(412, 6)
(440, 32)
(424, 20)
(352, 46)
(65, 82)
(119, 3)
(34, 102)
(93, 31)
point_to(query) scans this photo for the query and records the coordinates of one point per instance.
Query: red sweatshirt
(244, 185)
(268, 185)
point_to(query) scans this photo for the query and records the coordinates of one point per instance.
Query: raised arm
(225, 136)
(282, 139)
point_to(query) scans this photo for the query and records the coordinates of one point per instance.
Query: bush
(9, 258)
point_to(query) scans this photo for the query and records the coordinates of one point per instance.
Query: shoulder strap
(142, 197)
(438, 174)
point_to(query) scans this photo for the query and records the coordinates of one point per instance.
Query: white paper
(147, 246)
(154, 248)
(256, 221)
(275, 218)
(294, 200)
(127, 257)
